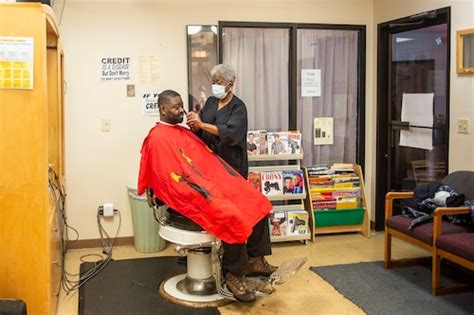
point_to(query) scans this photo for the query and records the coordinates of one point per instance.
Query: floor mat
(405, 290)
(131, 287)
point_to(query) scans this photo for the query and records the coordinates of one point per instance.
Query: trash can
(145, 228)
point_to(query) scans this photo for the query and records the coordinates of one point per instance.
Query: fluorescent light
(194, 29)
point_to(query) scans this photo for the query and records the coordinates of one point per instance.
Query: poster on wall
(16, 62)
(310, 82)
(149, 69)
(150, 104)
(323, 130)
(115, 68)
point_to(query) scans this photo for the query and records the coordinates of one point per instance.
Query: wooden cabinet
(31, 140)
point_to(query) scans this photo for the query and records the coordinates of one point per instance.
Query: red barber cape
(187, 176)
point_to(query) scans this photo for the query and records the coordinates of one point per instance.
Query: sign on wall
(115, 68)
(310, 82)
(150, 104)
(16, 62)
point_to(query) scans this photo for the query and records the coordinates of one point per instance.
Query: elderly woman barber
(222, 125)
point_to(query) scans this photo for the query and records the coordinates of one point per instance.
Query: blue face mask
(219, 91)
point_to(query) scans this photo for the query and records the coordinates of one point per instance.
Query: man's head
(171, 107)
(250, 137)
(298, 180)
(288, 182)
(277, 139)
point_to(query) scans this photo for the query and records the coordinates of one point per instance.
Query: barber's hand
(194, 121)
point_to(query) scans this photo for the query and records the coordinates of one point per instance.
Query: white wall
(100, 165)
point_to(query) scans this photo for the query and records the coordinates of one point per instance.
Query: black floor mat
(403, 291)
(131, 287)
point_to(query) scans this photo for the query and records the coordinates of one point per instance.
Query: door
(412, 104)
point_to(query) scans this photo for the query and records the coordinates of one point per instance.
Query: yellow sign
(16, 63)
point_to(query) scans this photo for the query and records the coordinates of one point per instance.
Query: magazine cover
(255, 179)
(278, 224)
(252, 138)
(277, 142)
(294, 142)
(272, 183)
(293, 182)
(262, 146)
(297, 222)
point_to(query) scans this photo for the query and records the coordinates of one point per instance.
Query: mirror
(202, 57)
(465, 51)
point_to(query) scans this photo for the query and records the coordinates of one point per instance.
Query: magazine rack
(340, 221)
(295, 160)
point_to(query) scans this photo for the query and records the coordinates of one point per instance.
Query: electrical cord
(68, 283)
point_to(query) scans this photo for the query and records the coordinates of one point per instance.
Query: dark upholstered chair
(424, 235)
(455, 247)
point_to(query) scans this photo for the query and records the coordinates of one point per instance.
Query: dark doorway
(412, 103)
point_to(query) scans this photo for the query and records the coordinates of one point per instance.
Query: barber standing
(222, 125)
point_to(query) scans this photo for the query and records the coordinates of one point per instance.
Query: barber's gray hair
(224, 71)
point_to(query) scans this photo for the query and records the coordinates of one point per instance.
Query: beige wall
(100, 165)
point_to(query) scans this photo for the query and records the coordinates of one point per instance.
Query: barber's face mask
(219, 91)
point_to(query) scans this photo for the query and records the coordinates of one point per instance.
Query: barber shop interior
(247, 157)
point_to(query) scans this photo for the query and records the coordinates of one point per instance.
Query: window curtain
(335, 53)
(260, 57)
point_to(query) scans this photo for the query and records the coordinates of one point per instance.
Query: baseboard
(96, 243)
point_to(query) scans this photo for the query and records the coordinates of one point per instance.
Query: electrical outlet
(463, 125)
(106, 125)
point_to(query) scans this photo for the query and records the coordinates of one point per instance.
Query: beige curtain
(335, 53)
(260, 57)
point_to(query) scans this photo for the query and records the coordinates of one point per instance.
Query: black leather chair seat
(181, 222)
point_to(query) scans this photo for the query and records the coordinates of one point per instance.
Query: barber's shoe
(240, 287)
(259, 266)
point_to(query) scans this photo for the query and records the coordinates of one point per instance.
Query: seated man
(188, 177)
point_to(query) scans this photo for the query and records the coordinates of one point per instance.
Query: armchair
(422, 235)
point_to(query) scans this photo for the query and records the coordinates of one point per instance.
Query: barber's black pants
(236, 256)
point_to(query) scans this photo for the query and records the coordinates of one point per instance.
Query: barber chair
(203, 283)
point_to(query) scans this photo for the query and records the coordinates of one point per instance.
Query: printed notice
(323, 130)
(115, 68)
(417, 109)
(16, 63)
(149, 69)
(310, 82)
(150, 104)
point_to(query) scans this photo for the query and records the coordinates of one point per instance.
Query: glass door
(413, 104)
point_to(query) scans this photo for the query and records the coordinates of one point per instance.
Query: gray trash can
(145, 228)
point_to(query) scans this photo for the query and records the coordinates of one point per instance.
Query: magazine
(272, 183)
(277, 142)
(255, 179)
(252, 138)
(297, 222)
(294, 142)
(293, 182)
(262, 146)
(278, 223)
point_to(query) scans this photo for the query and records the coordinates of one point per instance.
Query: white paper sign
(323, 130)
(417, 109)
(115, 68)
(149, 69)
(16, 62)
(310, 82)
(150, 104)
